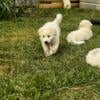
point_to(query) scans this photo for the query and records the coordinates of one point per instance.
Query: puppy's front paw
(47, 53)
(52, 51)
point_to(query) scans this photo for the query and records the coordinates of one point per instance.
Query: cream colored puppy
(49, 35)
(83, 33)
(93, 57)
(67, 4)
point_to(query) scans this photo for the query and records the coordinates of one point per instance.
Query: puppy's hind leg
(81, 42)
(78, 42)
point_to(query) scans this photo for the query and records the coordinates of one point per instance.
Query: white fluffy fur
(49, 35)
(83, 33)
(93, 57)
(67, 4)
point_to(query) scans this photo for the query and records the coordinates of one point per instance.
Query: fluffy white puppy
(67, 4)
(83, 33)
(49, 35)
(93, 57)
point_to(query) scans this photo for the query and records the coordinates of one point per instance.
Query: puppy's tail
(58, 19)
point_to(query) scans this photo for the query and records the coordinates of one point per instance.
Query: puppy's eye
(43, 36)
(48, 36)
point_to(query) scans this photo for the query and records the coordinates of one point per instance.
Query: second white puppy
(93, 57)
(67, 4)
(83, 33)
(49, 35)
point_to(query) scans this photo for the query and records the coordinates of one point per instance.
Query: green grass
(26, 74)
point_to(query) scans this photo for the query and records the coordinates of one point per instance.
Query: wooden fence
(44, 3)
(90, 4)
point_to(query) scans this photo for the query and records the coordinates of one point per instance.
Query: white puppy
(49, 35)
(67, 4)
(93, 57)
(83, 33)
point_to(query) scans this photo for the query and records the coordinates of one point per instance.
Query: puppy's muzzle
(46, 42)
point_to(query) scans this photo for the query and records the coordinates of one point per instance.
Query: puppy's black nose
(46, 42)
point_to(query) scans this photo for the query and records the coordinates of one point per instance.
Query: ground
(26, 74)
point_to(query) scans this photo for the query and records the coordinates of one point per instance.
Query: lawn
(26, 74)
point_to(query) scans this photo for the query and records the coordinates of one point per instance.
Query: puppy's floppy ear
(81, 25)
(40, 31)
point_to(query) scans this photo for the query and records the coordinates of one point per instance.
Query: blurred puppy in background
(67, 4)
(93, 57)
(49, 35)
(83, 33)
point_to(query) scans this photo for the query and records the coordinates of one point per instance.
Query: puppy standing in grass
(83, 33)
(49, 35)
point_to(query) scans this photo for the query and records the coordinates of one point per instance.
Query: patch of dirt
(6, 71)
